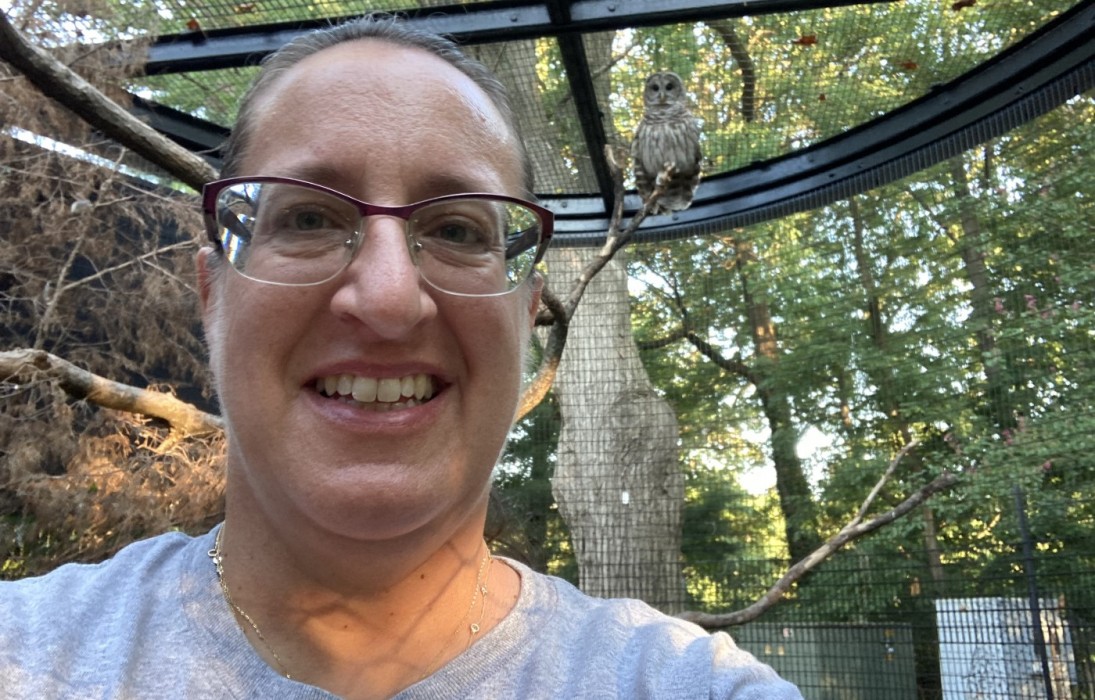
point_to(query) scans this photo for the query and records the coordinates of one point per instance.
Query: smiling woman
(367, 295)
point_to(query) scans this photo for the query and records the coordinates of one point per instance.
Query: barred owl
(667, 134)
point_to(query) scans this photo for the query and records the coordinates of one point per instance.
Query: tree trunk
(795, 500)
(887, 386)
(617, 479)
(973, 258)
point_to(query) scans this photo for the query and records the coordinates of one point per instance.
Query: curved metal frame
(1031, 78)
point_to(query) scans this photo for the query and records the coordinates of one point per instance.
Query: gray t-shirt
(151, 623)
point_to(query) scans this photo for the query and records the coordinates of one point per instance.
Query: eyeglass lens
(295, 235)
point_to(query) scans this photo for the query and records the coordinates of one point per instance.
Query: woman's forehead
(384, 74)
(384, 96)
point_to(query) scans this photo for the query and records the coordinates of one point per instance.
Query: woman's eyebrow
(427, 186)
(319, 173)
(439, 184)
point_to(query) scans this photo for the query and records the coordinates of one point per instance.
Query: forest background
(729, 398)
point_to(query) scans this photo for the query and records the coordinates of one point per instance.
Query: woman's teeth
(378, 394)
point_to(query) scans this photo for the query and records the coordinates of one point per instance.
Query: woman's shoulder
(72, 593)
(640, 651)
(119, 628)
(588, 614)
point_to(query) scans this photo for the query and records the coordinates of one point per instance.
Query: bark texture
(31, 365)
(60, 83)
(617, 480)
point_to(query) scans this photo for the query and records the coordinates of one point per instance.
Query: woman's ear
(205, 277)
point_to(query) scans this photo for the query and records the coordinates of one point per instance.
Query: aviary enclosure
(843, 403)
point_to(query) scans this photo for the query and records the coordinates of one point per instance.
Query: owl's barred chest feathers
(667, 135)
(668, 132)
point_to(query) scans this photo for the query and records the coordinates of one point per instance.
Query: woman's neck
(347, 616)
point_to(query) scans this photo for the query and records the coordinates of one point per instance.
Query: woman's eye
(464, 230)
(309, 220)
(455, 233)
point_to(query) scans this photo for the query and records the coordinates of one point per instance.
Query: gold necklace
(473, 629)
(218, 562)
(217, 555)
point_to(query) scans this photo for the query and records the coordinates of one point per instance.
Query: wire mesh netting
(726, 402)
(795, 358)
(764, 85)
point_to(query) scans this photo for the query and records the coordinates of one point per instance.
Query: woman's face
(388, 125)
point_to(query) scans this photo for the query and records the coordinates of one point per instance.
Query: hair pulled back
(381, 27)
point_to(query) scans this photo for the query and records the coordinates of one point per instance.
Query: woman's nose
(382, 288)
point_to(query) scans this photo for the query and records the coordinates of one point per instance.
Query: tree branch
(733, 365)
(873, 495)
(853, 530)
(659, 343)
(561, 311)
(539, 387)
(741, 56)
(60, 83)
(24, 365)
(128, 263)
(53, 298)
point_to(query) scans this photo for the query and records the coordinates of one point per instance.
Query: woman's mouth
(378, 394)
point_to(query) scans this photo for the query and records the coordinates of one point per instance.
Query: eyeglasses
(291, 232)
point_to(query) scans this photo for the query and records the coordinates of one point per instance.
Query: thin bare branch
(560, 312)
(886, 476)
(26, 365)
(120, 266)
(60, 83)
(172, 276)
(617, 238)
(52, 298)
(853, 530)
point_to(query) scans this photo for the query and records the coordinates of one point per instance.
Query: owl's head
(663, 88)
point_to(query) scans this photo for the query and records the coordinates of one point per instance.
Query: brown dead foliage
(124, 479)
(96, 266)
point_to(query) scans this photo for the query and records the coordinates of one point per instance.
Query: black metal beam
(1046, 68)
(241, 46)
(474, 23)
(604, 15)
(1052, 65)
(197, 135)
(590, 117)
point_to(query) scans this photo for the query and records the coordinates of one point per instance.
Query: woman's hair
(374, 26)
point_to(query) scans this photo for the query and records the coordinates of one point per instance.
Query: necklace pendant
(475, 628)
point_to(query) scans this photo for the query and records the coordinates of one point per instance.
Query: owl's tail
(678, 194)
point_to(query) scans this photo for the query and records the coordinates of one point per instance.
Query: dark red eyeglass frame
(211, 190)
